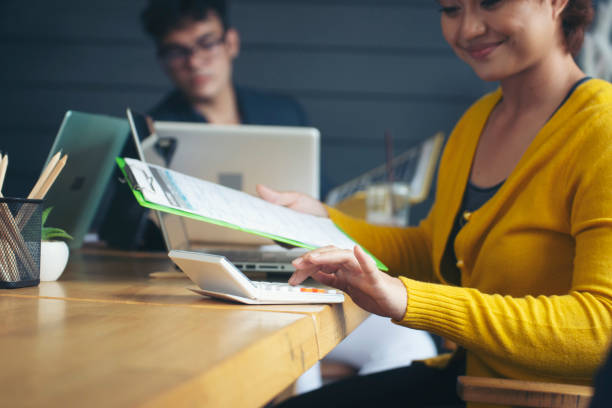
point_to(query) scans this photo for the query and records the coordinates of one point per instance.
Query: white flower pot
(53, 259)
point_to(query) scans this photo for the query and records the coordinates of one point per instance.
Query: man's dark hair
(162, 16)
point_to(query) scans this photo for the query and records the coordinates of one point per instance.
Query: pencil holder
(20, 233)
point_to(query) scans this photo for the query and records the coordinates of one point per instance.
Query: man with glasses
(197, 47)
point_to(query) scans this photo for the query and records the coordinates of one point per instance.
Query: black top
(125, 224)
(603, 392)
(473, 198)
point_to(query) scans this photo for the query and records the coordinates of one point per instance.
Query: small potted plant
(53, 252)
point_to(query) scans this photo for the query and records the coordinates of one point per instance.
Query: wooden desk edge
(297, 349)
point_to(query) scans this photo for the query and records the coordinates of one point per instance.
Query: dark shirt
(126, 224)
(603, 392)
(473, 198)
(255, 108)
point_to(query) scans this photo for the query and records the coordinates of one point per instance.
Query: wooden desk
(58, 353)
(109, 335)
(123, 277)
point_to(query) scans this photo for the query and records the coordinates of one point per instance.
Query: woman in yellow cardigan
(514, 261)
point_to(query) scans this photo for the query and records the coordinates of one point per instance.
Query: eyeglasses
(176, 55)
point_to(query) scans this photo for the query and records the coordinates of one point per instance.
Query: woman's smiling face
(501, 38)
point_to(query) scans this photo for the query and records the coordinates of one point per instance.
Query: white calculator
(218, 278)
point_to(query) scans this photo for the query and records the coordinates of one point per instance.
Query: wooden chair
(523, 393)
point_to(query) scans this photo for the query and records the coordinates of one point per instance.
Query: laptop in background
(91, 142)
(244, 251)
(240, 157)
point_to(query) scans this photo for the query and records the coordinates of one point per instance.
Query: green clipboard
(123, 166)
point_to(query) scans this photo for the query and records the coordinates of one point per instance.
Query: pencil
(5, 250)
(7, 260)
(3, 167)
(26, 211)
(45, 173)
(52, 176)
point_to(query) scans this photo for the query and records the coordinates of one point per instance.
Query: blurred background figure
(196, 47)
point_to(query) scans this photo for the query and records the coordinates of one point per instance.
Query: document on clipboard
(172, 192)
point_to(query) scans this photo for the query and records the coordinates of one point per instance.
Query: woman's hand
(355, 273)
(296, 201)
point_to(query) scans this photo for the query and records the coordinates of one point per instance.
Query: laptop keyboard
(258, 256)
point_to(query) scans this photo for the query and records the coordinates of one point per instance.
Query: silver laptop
(91, 142)
(277, 154)
(240, 157)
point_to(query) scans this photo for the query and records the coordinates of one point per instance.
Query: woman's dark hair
(162, 16)
(575, 19)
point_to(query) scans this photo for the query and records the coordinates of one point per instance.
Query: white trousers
(376, 345)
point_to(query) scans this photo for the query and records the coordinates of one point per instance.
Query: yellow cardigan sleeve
(405, 251)
(557, 338)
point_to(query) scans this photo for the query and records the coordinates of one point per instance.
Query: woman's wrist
(398, 299)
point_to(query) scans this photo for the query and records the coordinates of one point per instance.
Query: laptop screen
(91, 142)
(240, 157)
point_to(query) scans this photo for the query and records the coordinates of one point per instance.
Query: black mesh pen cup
(20, 233)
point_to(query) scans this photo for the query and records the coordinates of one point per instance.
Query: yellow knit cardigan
(536, 259)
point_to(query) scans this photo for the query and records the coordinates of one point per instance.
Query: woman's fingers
(354, 272)
(325, 276)
(275, 197)
(307, 257)
(328, 255)
(296, 201)
(301, 274)
(308, 264)
(329, 279)
(324, 261)
(365, 261)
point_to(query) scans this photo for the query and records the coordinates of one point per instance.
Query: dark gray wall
(359, 67)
